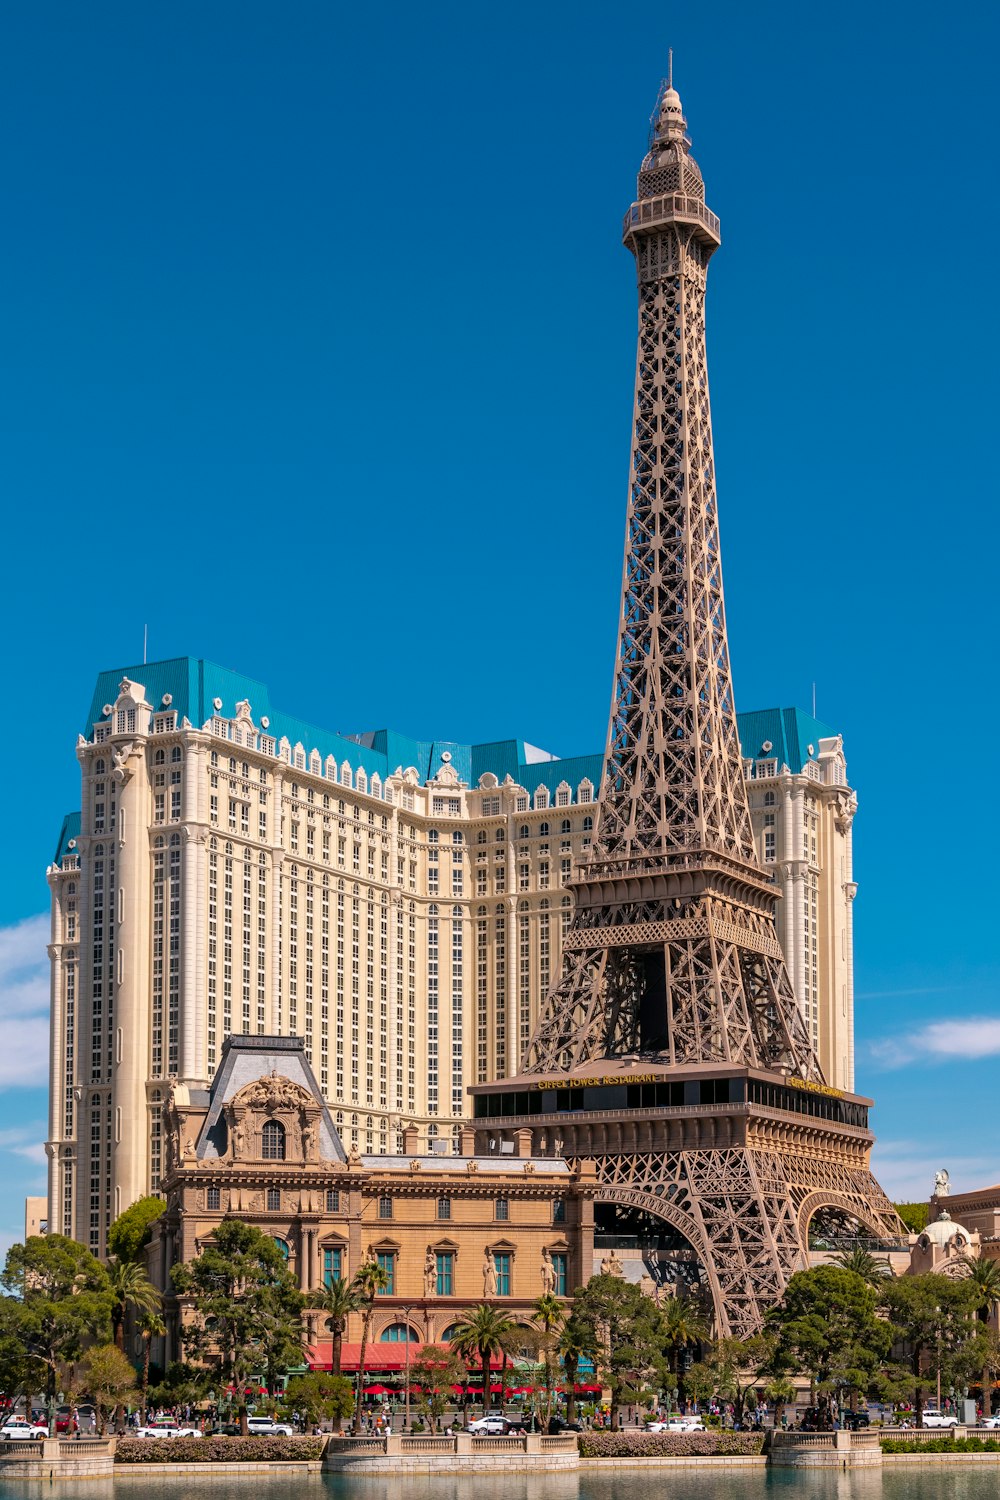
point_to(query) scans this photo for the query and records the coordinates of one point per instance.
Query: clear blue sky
(316, 354)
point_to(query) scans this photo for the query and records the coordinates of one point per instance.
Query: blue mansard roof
(193, 686)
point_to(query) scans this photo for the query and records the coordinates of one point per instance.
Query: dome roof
(942, 1230)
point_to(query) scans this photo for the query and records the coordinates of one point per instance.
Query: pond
(904, 1483)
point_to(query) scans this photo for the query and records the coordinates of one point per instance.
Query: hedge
(217, 1450)
(941, 1445)
(669, 1444)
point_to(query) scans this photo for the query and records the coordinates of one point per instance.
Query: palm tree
(549, 1315)
(482, 1333)
(130, 1287)
(984, 1275)
(369, 1281)
(151, 1326)
(684, 1323)
(577, 1342)
(863, 1264)
(338, 1299)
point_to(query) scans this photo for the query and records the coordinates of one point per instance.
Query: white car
(267, 1427)
(990, 1422)
(935, 1418)
(678, 1424)
(19, 1427)
(166, 1430)
(489, 1427)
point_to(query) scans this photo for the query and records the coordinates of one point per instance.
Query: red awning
(379, 1357)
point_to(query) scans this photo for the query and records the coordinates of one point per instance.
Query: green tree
(435, 1371)
(483, 1332)
(869, 1267)
(577, 1342)
(321, 1397)
(913, 1215)
(369, 1281)
(685, 1325)
(58, 1302)
(132, 1230)
(337, 1300)
(984, 1275)
(130, 1287)
(243, 1303)
(932, 1314)
(109, 1378)
(549, 1315)
(629, 1331)
(183, 1384)
(732, 1367)
(828, 1328)
(151, 1326)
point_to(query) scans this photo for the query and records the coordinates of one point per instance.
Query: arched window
(282, 1246)
(523, 831)
(272, 1141)
(451, 1332)
(565, 825)
(543, 830)
(399, 1333)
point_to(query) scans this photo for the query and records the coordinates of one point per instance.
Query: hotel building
(396, 903)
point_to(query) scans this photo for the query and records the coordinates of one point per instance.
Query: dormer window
(272, 1141)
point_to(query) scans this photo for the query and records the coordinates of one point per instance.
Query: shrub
(669, 1444)
(218, 1450)
(941, 1445)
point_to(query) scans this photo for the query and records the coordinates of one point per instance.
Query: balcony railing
(672, 206)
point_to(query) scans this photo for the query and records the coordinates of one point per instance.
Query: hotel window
(501, 1209)
(502, 1264)
(445, 1267)
(333, 1200)
(333, 1263)
(444, 1208)
(385, 1208)
(213, 1198)
(386, 1261)
(273, 1200)
(559, 1211)
(769, 848)
(282, 1246)
(559, 1271)
(399, 1333)
(272, 1141)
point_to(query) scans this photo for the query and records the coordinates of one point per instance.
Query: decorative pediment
(273, 1119)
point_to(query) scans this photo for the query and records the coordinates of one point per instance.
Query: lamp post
(406, 1386)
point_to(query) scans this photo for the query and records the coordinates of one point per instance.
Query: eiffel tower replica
(671, 1052)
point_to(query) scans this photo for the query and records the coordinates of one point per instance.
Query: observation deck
(673, 208)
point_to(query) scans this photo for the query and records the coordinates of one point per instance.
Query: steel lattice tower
(673, 977)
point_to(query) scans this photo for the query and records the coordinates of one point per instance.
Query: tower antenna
(670, 68)
(145, 637)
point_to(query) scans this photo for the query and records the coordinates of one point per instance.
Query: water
(904, 1483)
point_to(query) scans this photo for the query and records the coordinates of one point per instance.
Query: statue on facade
(611, 1265)
(548, 1272)
(489, 1275)
(942, 1184)
(430, 1273)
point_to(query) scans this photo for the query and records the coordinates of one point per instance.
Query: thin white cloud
(905, 1169)
(965, 1040)
(24, 1003)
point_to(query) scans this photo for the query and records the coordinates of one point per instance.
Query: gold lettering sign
(816, 1088)
(607, 1080)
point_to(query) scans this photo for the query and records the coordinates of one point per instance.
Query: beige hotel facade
(396, 903)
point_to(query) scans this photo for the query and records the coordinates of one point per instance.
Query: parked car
(678, 1424)
(855, 1419)
(990, 1422)
(164, 1428)
(19, 1427)
(226, 1429)
(560, 1424)
(489, 1426)
(935, 1418)
(268, 1427)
